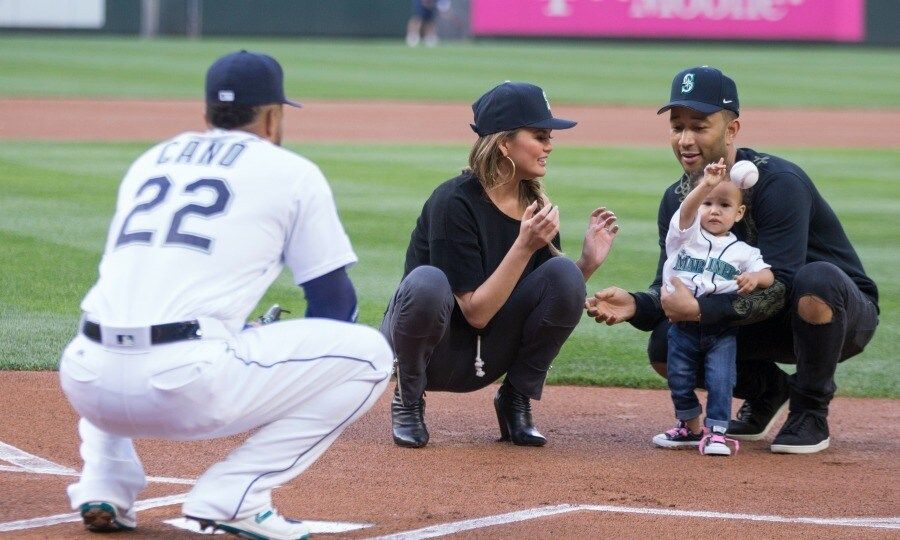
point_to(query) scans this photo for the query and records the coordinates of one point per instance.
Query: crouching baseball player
(204, 223)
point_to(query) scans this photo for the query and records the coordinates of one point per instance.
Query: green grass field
(56, 199)
(768, 75)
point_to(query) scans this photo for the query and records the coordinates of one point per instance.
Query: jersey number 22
(175, 235)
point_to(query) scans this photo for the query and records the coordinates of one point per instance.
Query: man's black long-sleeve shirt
(791, 224)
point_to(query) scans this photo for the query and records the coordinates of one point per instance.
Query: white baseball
(744, 174)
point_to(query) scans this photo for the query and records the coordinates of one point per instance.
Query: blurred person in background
(422, 23)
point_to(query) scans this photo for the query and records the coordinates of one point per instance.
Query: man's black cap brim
(698, 106)
(292, 103)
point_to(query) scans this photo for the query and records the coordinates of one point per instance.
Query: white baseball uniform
(707, 263)
(204, 223)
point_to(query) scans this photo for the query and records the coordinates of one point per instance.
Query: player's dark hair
(230, 115)
(492, 169)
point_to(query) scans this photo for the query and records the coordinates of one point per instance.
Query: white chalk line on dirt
(47, 521)
(158, 479)
(30, 462)
(23, 462)
(534, 513)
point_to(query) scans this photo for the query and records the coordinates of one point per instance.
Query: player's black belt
(159, 333)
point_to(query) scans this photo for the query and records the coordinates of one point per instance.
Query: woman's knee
(568, 281)
(425, 290)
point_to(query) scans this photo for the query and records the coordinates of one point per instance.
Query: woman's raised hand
(598, 238)
(538, 227)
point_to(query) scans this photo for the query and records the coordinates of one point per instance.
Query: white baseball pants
(301, 382)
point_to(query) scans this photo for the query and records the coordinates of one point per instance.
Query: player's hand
(715, 173)
(611, 305)
(539, 227)
(598, 239)
(680, 304)
(747, 282)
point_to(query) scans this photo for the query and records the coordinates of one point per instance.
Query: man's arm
(331, 296)
(648, 309)
(781, 213)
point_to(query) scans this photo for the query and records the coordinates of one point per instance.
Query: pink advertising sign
(810, 20)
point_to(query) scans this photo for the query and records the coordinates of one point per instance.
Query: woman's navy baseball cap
(246, 78)
(704, 89)
(513, 105)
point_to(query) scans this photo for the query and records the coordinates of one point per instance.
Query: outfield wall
(849, 21)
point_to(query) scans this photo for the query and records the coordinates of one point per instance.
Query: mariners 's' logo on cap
(226, 95)
(687, 84)
(547, 101)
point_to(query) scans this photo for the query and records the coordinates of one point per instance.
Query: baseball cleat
(678, 437)
(803, 432)
(102, 517)
(266, 525)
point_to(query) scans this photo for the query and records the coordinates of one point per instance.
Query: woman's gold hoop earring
(513, 163)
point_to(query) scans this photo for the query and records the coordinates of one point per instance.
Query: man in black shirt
(822, 309)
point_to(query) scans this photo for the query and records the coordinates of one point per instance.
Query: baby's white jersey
(707, 263)
(205, 222)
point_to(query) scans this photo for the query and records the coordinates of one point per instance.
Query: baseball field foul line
(30, 462)
(73, 517)
(534, 513)
(22, 461)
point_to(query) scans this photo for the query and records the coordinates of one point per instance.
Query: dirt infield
(387, 122)
(598, 477)
(599, 455)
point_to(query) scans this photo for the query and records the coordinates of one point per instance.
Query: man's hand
(611, 305)
(679, 305)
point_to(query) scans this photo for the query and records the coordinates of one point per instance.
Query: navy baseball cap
(703, 89)
(246, 78)
(512, 105)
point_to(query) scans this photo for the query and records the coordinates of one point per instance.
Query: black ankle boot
(514, 416)
(408, 422)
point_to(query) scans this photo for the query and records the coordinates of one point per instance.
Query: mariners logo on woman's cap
(513, 105)
(703, 89)
(246, 78)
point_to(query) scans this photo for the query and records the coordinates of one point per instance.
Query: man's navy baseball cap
(513, 105)
(246, 78)
(703, 89)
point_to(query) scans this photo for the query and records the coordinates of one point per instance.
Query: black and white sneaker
(804, 432)
(756, 417)
(678, 437)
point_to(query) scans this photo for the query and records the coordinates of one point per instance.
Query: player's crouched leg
(301, 383)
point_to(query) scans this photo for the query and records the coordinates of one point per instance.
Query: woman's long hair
(493, 169)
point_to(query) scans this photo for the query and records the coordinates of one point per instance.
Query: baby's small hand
(715, 173)
(747, 283)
